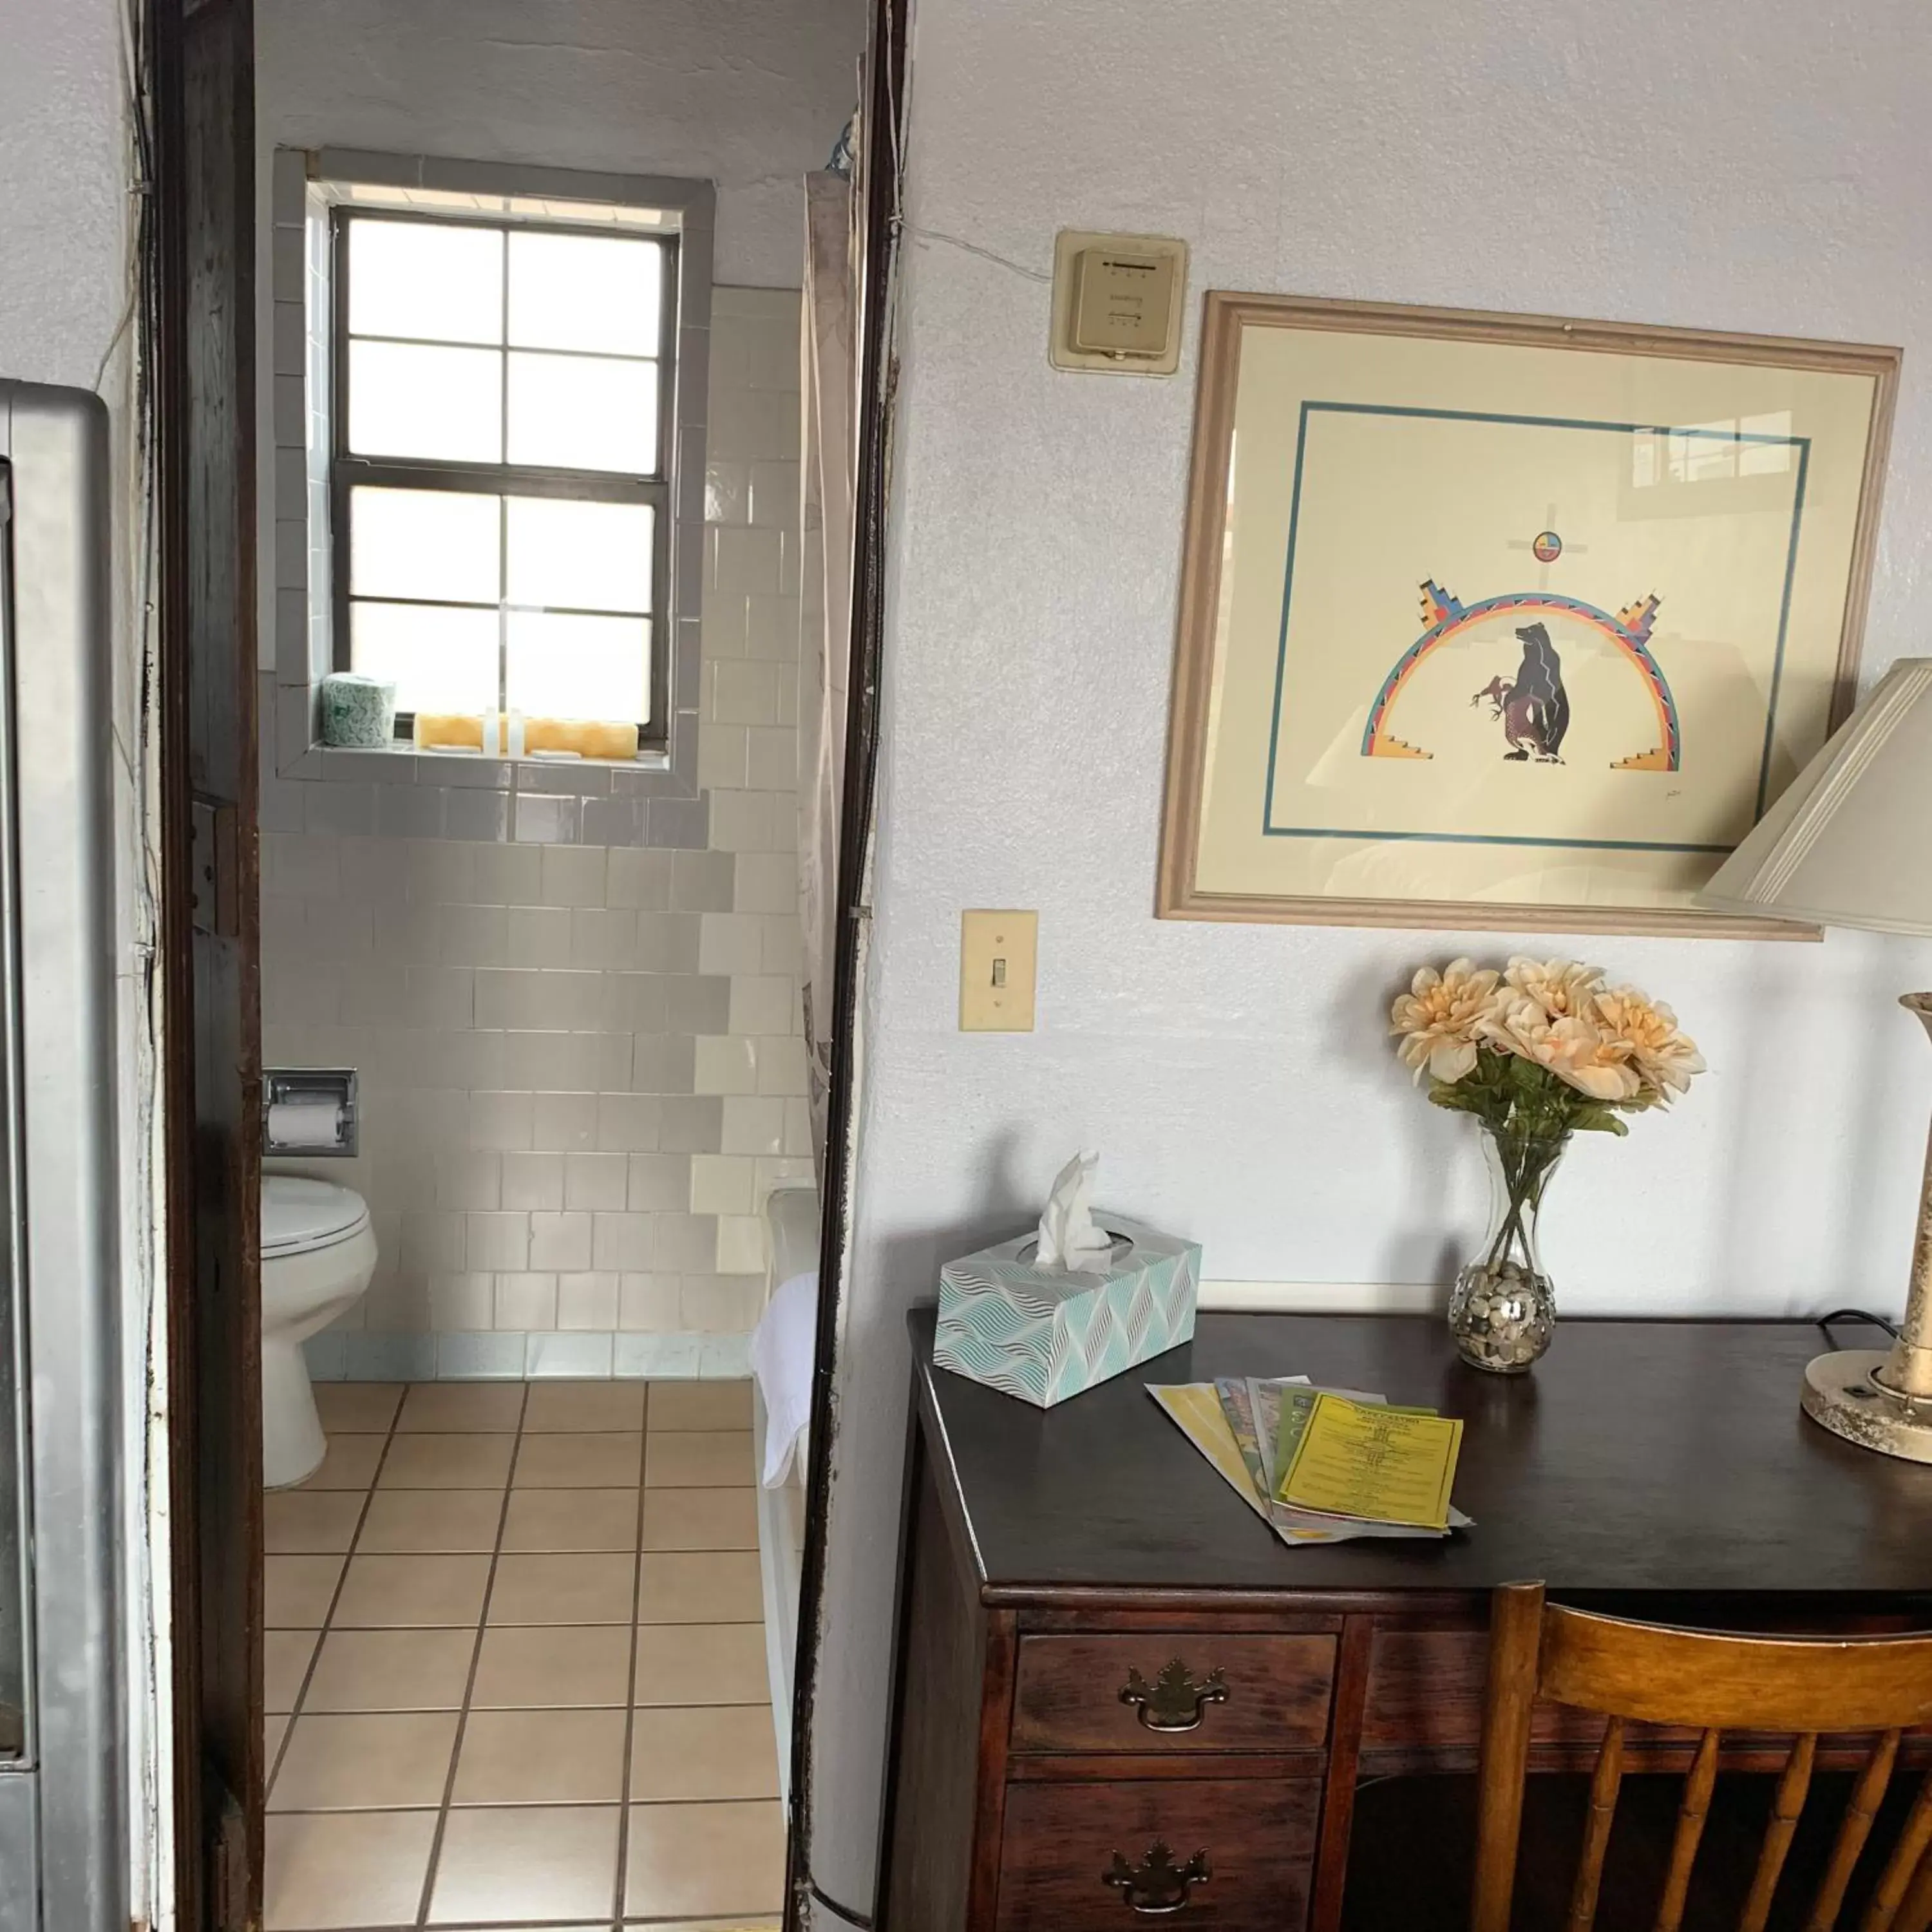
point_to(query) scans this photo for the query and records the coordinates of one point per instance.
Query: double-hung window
(500, 468)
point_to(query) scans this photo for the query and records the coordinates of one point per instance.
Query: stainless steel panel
(58, 1031)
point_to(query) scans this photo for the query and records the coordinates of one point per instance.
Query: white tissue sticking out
(1069, 1237)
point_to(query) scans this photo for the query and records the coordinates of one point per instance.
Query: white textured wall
(65, 284)
(749, 94)
(1736, 164)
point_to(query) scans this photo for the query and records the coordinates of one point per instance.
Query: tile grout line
(622, 1877)
(335, 1595)
(436, 1837)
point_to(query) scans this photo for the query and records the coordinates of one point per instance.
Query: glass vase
(1502, 1309)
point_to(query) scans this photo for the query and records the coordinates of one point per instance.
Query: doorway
(490, 384)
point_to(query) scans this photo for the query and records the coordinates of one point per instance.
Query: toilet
(318, 1254)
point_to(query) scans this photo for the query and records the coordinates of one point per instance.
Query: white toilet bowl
(318, 1253)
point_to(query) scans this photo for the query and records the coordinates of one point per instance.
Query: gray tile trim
(356, 1355)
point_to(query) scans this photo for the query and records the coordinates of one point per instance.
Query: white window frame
(308, 186)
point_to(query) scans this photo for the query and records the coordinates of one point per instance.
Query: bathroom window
(501, 442)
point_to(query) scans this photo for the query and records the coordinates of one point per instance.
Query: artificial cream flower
(1561, 987)
(1572, 1047)
(1439, 1017)
(1664, 1057)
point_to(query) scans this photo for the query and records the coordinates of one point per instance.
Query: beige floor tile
(712, 1587)
(703, 1664)
(565, 1520)
(367, 1763)
(707, 1860)
(581, 1589)
(698, 1459)
(441, 1408)
(558, 1862)
(541, 1757)
(403, 1592)
(348, 1462)
(700, 1519)
(699, 1405)
(357, 1409)
(298, 1590)
(448, 1461)
(428, 1522)
(391, 1670)
(575, 1407)
(539, 1667)
(725, 1751)
(301, 1521)
(346, 1868)
(275, 1727)
(608, 1460)
(284, 1664)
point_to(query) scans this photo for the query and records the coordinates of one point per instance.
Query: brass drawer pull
(1173, 1702)
(1157, 1886)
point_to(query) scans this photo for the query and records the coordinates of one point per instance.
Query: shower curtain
(828, 387)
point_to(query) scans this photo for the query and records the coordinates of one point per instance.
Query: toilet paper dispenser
(308, 1110)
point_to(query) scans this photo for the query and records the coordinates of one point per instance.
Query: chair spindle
(1603, 1787)
(1786, 1806)
(1908, 1858)
(1866, 1795)
(1691, 1814)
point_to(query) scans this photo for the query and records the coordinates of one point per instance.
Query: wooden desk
(1661, 1468)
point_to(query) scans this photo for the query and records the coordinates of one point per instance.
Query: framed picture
(1503, 621)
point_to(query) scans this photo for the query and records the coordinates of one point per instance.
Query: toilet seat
(300, 1216)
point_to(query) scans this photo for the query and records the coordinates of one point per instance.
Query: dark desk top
(1638, 1456)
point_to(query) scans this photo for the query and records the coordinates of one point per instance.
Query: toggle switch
(998, 953)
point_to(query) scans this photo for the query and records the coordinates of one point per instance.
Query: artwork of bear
(1535, 709)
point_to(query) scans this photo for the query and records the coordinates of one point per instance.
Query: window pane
(407, 401)
(586, 291)
(582, 412)
(596, 668)
(438, 544)
(440, 660)
(581, 556)
(425, 280)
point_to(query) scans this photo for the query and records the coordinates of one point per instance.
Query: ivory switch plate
(1117, 303)
(998, 951)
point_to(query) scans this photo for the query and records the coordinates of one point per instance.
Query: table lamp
(1846, 845)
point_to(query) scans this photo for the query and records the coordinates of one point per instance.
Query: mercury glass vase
(1502, 1310)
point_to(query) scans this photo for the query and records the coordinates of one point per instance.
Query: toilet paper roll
(304, 1124)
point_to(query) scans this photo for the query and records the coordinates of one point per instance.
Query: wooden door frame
(198, 271)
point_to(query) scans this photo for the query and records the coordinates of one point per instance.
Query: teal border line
(1802, 444)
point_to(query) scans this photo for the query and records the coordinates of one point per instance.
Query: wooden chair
(1712, 1682)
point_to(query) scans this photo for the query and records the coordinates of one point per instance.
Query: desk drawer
(1256, 1843)
(1189, 1691)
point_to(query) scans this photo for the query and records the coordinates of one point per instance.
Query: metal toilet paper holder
(283, 1087)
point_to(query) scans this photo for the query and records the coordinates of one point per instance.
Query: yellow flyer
(1382, 1464)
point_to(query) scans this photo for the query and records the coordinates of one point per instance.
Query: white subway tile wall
(582, 1066)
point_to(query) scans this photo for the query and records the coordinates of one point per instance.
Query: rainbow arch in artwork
(1443, 615)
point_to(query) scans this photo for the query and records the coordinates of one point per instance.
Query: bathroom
(528, 1646)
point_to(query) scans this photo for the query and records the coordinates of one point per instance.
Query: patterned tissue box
(1044, 1336)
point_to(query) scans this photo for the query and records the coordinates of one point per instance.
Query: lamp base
(1841, 1394)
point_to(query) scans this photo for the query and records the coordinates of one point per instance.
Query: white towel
(782, 1350)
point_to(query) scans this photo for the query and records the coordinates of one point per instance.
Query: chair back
(1710, 1682)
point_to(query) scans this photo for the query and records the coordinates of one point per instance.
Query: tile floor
(516, 1663)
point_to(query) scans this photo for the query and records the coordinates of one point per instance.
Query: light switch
(998, 951)
(1117, 303)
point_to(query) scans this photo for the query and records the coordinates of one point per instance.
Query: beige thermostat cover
(1109, 315)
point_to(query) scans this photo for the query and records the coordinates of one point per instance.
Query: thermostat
(1117, 303)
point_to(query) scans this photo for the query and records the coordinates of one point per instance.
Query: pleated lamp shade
(1850, 842)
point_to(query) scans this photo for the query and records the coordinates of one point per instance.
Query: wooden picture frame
(1433, 428)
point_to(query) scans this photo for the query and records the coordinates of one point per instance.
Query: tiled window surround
(515, 1670)
(654, 801)
(582, 1064)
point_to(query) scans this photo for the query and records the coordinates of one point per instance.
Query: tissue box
(1045, 1336)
